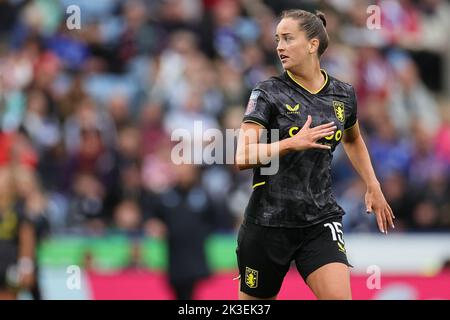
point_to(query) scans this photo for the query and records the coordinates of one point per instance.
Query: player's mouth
(283, 57)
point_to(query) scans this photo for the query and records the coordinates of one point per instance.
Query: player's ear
(313, 45)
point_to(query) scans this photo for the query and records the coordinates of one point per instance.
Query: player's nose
(280, 47)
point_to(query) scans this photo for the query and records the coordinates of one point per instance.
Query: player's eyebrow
(283, 34)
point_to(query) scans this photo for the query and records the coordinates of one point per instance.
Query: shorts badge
(251, 277)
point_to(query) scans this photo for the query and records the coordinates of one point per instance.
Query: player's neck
(309, 76)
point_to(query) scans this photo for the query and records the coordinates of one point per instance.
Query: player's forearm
(359, 157)
(257, 154)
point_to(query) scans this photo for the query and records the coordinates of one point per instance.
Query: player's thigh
(263, 261)
(331, 282)
(322, 260)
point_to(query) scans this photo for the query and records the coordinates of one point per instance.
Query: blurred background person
(188, 218)
(35, 208)
(17, 241)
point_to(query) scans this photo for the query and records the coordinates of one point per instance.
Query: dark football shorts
(264, 254)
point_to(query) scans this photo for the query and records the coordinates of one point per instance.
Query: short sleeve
(352, 118)
(258, 109)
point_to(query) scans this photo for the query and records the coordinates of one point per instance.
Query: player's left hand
(377, 204)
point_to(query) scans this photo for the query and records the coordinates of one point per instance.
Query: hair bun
(321, 16)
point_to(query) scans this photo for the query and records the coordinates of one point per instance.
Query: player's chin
(286, 64)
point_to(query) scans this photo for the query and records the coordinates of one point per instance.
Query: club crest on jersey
(293, 109)
(251, 277)
(339, 110)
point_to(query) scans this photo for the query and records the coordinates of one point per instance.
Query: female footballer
(292, 215)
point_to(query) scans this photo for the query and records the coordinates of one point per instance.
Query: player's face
(293, 47)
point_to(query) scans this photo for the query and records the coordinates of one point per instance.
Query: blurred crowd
(86, 115)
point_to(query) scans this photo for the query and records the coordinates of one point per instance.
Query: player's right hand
(307, 137)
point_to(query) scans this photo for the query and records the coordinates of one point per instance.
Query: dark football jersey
(299, 194)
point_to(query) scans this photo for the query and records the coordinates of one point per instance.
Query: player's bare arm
(357, 152)
(248, 156)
